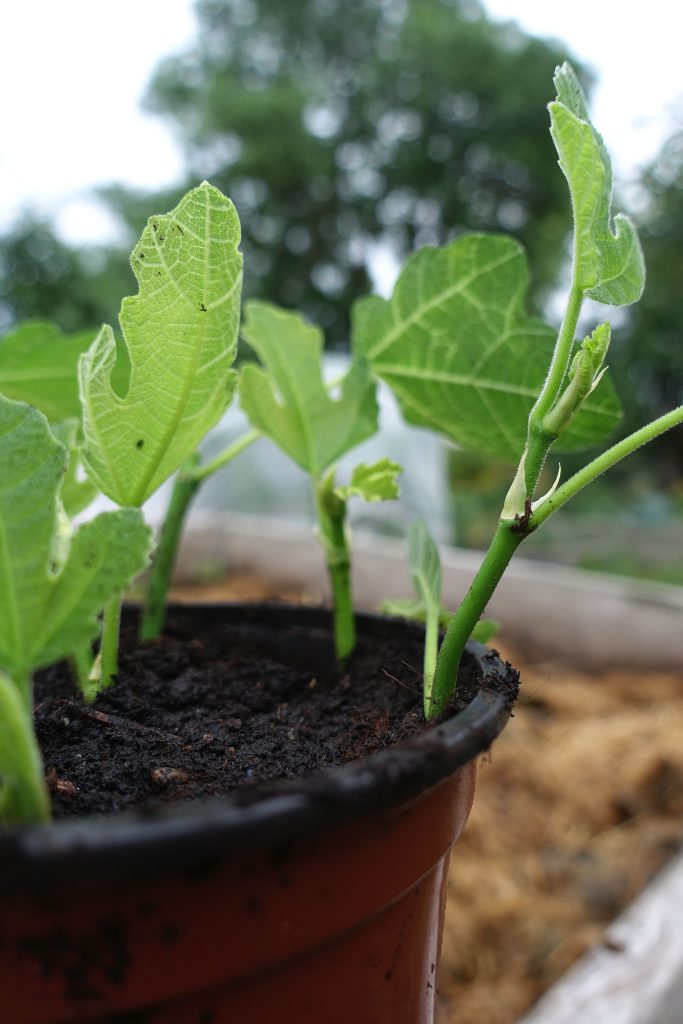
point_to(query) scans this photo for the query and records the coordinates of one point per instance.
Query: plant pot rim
(203, 831)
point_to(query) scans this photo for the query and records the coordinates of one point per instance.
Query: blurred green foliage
(647, 358)
(41, 277)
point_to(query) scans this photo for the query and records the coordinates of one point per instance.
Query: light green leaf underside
(460, 353)
(23, 794)
(425, 565)
(376, 482)
(50, 596)
(39, 365)
(608, 259)
(287, 399)
(181, 334)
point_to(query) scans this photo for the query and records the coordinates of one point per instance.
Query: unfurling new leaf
(584, 375)
(377, 482)
(608, 261)
(181, 336)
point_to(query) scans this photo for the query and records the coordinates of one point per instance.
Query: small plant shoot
(454, 342)
(425, 569)
(180, 333)
(287, 400)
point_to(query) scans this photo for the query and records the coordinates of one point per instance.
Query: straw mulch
(578, 805)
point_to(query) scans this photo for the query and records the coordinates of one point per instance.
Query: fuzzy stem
(506, 540)
(604, 462)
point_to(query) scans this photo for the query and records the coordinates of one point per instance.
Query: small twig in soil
(104, 718)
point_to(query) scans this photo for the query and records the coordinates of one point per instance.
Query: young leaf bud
(584, 376)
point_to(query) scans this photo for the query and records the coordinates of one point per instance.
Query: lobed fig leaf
(287, 399)
(180, 332)
(462, 356)
(608, 261)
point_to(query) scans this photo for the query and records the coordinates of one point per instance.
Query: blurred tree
(648, 352)
(349, 132)
(41, 276)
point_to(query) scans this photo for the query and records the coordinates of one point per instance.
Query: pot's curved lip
(204, 831)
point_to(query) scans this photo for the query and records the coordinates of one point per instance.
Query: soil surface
(214, 707)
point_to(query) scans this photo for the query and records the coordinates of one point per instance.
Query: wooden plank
(636, 976)
(552, 611)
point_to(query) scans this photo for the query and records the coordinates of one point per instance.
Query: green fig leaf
(39, 365)
(425, 566)
(460, 353)
(181, 335)
(52, 584)
(608, 261)
(287, 400)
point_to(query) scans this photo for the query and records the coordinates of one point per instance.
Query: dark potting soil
(214, 706)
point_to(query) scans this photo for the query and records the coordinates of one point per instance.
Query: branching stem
(539, 440)
(604, 462)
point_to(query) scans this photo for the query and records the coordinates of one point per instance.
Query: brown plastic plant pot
(322, 902)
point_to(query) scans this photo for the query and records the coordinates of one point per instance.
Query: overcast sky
(72, 74)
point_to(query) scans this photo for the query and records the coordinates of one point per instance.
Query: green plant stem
(506, 540)
(224, 457)
(539, 440)
(23, 794)
(604, 462)
(431, 650)
(332, 525)
(186, 484)
(109, 645)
